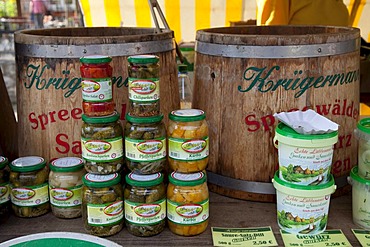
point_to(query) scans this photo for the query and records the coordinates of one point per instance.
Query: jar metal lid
(27, 164)
(101, 181)
(143, 59)
(3, 162)
(187, 179)
(144, 180)
(95, 59)
(187, 115)
(66, 164)
(153, 119)
(101, 120)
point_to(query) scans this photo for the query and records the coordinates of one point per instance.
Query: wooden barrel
(243, 75)
(49, 97)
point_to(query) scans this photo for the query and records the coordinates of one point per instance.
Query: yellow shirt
(302, 12)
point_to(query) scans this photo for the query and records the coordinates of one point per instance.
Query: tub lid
(354, 175)
(364, 125)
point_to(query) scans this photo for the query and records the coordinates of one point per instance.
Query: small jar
(187, 203)
(65, 186)
(29, 186)
(97, 88)
(102, 204)
(5, 203)
(145, 204)
(188, 145)
(145, 144)
(102, 144)
(143, 81)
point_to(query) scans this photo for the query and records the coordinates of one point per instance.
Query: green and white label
(187, 214)
(145, 214)
(363, 236)
(4, 193)
(145, 150)
(188, 150)
(30, 195)
(102, 150)
(65, 197)
(97, 89)
(104, 214)
(143, 89)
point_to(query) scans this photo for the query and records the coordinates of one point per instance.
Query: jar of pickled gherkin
(102, 144)
(188, 146)
(187, 203)
(102, 204)
(143, 81)
(145, 144)
(65, 186)
(29, 186)
(97, 88)
(145, 204)
(4, 190)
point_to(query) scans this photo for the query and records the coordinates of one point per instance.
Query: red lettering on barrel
(76, 148)
(51, 114)
(343, 141)
(268, 121)
(256, 124)
(123, 112)
(63, 113)
(76, 113)
(63, 143)
(33, 120)
(43, 119)
(340, 166)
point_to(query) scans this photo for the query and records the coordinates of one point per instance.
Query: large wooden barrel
(243, 75)
(49, 97)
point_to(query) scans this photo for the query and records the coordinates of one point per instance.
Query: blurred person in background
(37, 12)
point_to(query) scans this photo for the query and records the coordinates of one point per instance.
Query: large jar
(65, 186)
(102, 204)
(102, 144)
(145, 144)
(143, 83)
(188, 146)
(145, 204)
(29, 186)
(4, 190)
(187, 203)
(97, 88)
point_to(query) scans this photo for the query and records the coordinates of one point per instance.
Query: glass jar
(65, 186)
(145, 144)
(5, 203)
(187, 203)
(188, 144)
(143, 81)
(145, 204)
(102, 144)
(29, 186)
(102, 204)
(97, 88)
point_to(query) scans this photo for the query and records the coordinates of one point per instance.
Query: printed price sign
(363, 236)
(329, 238)
(244, 237)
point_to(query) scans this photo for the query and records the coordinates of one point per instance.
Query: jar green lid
(95, 59)
(354, 175)
(143, 59)
(153, 119)
(144, 180)
(285, 130)
(101, 120)
(101, 181)
(66, 164)
(187, 115)
(27, 164)
(3, 162)
(187, 179)
(364, 125)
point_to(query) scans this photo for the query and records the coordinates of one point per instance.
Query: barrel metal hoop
(77, 51)
(289, 51)
(254, 187)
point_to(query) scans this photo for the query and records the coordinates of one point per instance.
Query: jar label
(102, 150)
(188, 150)
(97, 178)
(104, 214)
(145, 150)
(144, 178)
(65, 197)
(4, 193)
(97, 89)
(30, 195)
(145, 214)
(143, 89)
(187, 176)
(187, 214)
(67, 162)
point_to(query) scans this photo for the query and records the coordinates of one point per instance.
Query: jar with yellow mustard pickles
(187, 203)
(188, 144)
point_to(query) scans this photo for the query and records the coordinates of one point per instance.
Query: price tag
(363, 236)
(261, 236)
(329, 238)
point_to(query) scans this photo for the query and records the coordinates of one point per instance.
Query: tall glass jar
(145, 144)
(188, 144)
(65, 186)
(97, 88)
(29, 186)
(102, 204)
(102, 144)
(5, 203)
(145, 204)
(187, 203)
(143, 81)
